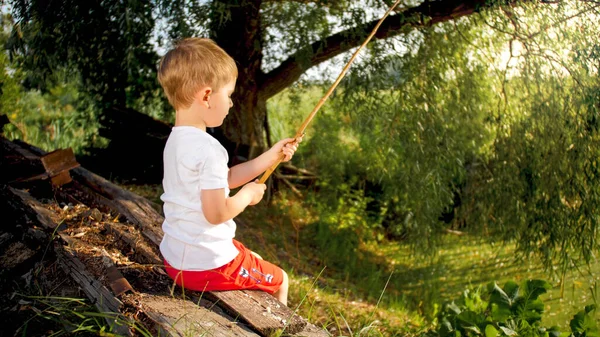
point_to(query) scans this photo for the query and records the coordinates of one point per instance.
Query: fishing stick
(300, 132)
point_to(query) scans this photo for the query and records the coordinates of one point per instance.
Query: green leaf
(508, 331)
(583, 324)
(500, 302)
(511, 289)
(491, 331)
(532, 289)
(554, 332)
(470, 321)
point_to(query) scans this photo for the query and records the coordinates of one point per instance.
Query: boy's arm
(244, 172)
(217, 208)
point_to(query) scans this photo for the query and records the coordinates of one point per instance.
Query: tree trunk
(236, 27)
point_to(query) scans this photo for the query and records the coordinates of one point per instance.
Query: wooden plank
(59, 161)
(31, 209)
(32, 212)
(178, 317)
(17, 163)
(136, 209)
(100, 296)
(260, 310)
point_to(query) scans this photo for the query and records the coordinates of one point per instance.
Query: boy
(198, 78)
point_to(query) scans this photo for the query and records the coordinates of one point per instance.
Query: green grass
(345, 297)
(379, 288)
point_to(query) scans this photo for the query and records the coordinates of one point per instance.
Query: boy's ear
(203, 96)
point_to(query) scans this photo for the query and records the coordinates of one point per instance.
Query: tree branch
(427, 13)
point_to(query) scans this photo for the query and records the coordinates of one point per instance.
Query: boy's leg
(255, 254)
(282, 292)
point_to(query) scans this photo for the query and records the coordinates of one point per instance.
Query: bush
(513, 310)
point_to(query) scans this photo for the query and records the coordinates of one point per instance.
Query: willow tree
(112, 43)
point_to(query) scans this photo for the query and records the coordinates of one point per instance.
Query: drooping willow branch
(302, 128)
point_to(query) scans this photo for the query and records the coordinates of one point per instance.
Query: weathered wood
(146, 253)
(32, 210)
(15, 254)
(118, 283)
(57, 164)
(136, 209)
(178, 317)
(100, 296)
(17, 163)
(262, 311)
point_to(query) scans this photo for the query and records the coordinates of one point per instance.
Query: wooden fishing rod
(300, 131)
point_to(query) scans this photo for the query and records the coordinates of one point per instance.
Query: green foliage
(514, 310)
(107, 43)
(404, 143)
(10, 88)
(541, 186)
(60, 118)
(453, 133)
(583, 323)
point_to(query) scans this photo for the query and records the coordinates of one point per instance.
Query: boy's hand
(287, 146)
(256, 191)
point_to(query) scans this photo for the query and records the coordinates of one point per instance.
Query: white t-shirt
(193, 161)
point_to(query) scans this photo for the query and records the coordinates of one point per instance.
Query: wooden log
(146, 253)
(262, 311)
(311, 330)
(29, 209)
(14, 255)
(118, 283)
(100, 296)
(178, 317)
(18, 163)
(136, 209)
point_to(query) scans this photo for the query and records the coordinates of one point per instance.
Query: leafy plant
(512, 310)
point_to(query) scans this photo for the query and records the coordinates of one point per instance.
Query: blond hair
(192, 64)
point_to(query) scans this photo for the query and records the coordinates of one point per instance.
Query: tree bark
(236, 27)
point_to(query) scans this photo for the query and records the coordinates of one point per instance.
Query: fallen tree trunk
(33, 213)
(261, 311)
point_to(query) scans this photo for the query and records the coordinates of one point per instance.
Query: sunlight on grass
(344, 300)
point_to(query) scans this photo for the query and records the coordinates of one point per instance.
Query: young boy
(198, 78)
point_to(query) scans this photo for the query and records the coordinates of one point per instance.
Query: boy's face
(220, 103)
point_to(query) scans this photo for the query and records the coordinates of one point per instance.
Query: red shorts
(246, 271)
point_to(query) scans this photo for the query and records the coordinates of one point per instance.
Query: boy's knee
(286, 281)
(255, 254)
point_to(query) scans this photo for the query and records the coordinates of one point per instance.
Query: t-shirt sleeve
(214, 171)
